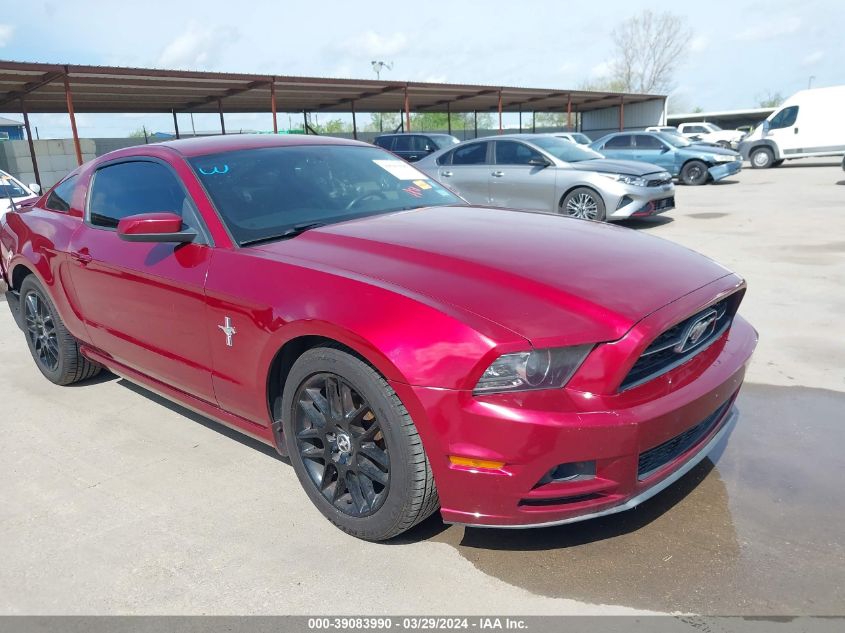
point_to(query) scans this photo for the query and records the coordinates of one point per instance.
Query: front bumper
(632, 201)
(723, 170)
(534, 432)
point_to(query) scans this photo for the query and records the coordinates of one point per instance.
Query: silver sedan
(544, 172)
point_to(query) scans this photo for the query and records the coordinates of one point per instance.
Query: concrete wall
(638, 116)
(56, 157)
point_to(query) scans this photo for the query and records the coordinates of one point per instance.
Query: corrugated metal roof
(131, 90)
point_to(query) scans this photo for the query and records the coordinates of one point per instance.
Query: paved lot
(114, 501)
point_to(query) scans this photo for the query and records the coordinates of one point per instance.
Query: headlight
(539, 369)
(721, 158)
(628, 180)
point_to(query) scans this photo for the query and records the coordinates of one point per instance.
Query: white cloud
(602, 69)
(6, 33)
(771, 28)
(198, 47)
(699, 43)
(813, 58)
(372, 44)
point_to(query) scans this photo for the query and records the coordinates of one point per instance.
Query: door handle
(795, 131)
(446, 174)
(82, 257)
(498, 174)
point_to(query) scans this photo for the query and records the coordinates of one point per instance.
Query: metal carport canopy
(111, 89)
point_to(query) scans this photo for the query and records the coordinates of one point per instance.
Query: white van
(809, 123)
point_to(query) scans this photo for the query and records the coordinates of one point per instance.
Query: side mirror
(35, 187)
(154, 227)
(539, 162)
(664, 150)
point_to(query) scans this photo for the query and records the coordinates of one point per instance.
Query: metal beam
(69, 99)
(175, 124)
(621, 113)
(354, 124)
(273, 106)
(407, 111)
(220, 110)
(500, 111)
(33, 85)
(31, 143)
(449, 117)
(231, 92)
(358, 97)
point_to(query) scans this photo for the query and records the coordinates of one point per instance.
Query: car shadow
(208, 423)
(104, 376)
(719, 183)
(841, 182)
(647, 223)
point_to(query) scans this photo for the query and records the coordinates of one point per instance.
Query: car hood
(548, 278)
(707, 148)
(608, 165)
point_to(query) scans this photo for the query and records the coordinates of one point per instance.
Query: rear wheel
(354, 446)
(762, 158)
(55, 351)
(583, 203)
(694, 173)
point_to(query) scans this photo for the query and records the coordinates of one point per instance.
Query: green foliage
(139, 133)
(770, 100)
(332, 126)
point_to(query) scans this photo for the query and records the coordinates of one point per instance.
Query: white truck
(809, 123)
(711, 133)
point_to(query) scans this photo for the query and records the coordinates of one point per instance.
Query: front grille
(655, 458)
(658, 182)
(665, 203)
(675, 346)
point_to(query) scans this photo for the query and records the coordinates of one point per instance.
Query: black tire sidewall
(383, 522)
(689, 165)
(601, 213)
(29, 286)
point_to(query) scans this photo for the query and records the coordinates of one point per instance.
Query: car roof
(199, 146)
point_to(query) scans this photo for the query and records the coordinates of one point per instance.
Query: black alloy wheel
(41, 331)
(342, 445)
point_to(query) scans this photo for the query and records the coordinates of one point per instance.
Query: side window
(513, 153)
(644, 141)
(420, 143)
(445, 159)
(384, 141)
(784, 118)
(623, 141)
(402, 143)
(136, 187)
(472, 154)
(61, 197)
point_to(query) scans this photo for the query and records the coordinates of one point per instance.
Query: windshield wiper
(293, 231)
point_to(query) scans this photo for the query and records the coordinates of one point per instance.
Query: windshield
(712, 127)
(581, 139)
(9, 187)
(675, 140)
(261, 194)
(565, 150)
(444, 140)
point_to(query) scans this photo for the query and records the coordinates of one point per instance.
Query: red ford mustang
(408, 351)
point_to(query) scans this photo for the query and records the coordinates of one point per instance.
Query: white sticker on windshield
(400, 169)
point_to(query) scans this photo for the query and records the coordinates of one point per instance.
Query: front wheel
(694, 173)
(583, 203)
(354, 446)
(762, 158)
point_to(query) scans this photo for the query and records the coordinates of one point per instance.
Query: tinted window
(384, 141)
(694, 129)
(411, 143)
(784, 118)
(472, 154)
(644, 141)
(444, 140)
(513, 153)
(623, 141)
(130, 188)
(402, 143)
(263, 193)
(61, 197)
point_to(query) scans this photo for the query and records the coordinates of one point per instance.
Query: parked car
(544, 172)
(412, 147)
(809, 123)
(711, 133)
(691, 163)
(14, 192)
(406, 350)
(574, 137)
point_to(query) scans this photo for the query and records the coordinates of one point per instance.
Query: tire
(778, 163)
(54, 350)
(366, 470)
(583, 203)
(762, 158)
(694, 173)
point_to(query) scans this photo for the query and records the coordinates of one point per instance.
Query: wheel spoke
(319, 401)
(333, 396)
(375, 454)
(368, 470)
(318, 421)
(309, 451)
(353, 483)
(339, 487)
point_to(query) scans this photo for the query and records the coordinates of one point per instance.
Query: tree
(770, 100)
(139, 133)
(332, 126)
(649, 49)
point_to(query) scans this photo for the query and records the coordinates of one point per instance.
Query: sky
(739, 51)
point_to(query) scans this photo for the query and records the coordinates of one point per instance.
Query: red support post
(354, 124)
(500, 110)
(569, 112)
(69, 99)
(273, 105)
(31, 143)
(407, 111)
(621, 114)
